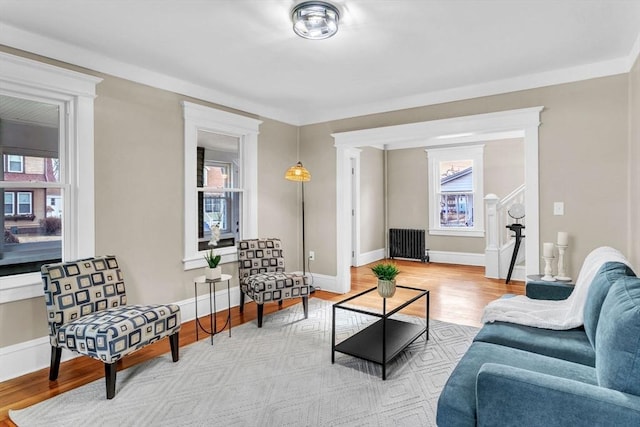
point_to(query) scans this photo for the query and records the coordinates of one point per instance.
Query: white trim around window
(12, 160)
(438, 155)
(198, 117)
(74, 93)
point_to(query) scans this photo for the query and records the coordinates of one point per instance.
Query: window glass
(29, 141)
(8, 203)
(219, 163)
(456, 193)
(15, 164)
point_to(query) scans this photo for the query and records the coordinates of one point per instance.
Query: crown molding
(61, 51)
(34, 43)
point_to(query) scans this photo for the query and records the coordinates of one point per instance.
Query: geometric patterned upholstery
(262, 275)
(110, 334)
(87, 313)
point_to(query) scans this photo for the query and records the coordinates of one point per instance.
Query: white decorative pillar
(492, 250)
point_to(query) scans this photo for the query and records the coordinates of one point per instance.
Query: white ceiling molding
(66, 52)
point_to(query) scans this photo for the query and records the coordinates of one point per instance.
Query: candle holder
(547, 269)
(562, 275)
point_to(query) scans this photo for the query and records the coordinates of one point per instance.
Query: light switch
(558, 208)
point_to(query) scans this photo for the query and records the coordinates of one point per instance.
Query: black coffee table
(384, 339)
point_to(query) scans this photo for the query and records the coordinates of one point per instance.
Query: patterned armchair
(87, 314)
(262, 275)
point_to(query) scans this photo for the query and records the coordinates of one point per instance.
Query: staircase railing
(499, 239)
(516, 196)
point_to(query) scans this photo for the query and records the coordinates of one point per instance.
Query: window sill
(228, 254)
(456, 232)
(19, 287)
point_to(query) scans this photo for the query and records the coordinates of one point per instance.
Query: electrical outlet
(312, 256)
(558, 208)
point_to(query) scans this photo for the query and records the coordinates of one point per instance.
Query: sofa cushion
(572, 345)
(606, 276)
(457, 403)
(618, 337)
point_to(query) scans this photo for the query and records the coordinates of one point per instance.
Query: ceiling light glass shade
(315, 20)
(298, 173)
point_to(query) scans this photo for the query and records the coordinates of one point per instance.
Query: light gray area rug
(279, 375)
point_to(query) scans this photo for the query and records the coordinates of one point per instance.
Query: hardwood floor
(458, 294)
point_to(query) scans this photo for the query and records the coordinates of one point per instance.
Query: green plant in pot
(386, 273)
(213, 271)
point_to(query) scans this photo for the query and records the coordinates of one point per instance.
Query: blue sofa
(525, 376)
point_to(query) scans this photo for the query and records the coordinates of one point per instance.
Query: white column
(492, 250)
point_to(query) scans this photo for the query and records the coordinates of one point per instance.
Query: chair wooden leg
(110, 370)
(175, 346)
(305, 306)
(54, 367)
(241, 307)
(260, 313)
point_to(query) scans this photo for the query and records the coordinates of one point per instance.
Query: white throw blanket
(559, 315)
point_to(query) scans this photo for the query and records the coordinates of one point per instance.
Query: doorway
(522, 123)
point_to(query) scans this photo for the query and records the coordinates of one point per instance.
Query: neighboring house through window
(456, 191)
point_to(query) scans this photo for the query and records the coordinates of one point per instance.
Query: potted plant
(386, 273)
(212, 271)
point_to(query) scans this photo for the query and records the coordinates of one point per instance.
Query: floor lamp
(299, 173)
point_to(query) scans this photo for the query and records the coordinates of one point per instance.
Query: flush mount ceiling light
(315, 20)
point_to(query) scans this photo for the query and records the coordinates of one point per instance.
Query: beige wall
(139, 196)
(634, 165)
(582, 154)
(139, 154)
(371, 200)
(409, 189)
(503, 166)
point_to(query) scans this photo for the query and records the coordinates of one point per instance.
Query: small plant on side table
(212, 271)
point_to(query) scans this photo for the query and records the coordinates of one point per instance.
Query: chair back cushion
(618, 337)
(608, 274)
(259, 256)
(78, 288)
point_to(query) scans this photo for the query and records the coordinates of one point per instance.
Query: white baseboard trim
(519, 273)
(26, 357)
(463, 258)
(369, 257)
(324, 282)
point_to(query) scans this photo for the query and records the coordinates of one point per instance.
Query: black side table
(213, 326)
(536, 288)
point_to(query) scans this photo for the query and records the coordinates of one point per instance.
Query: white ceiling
(387, 54)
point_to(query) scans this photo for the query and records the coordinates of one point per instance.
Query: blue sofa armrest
(512, 396)
(548, 290)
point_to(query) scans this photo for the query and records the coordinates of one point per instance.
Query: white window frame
(17, 202)
(9, 156)
(438, 155)
(198, 117)
(13, 202)
(74, 94)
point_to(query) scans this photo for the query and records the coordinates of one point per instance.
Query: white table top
(203, 279)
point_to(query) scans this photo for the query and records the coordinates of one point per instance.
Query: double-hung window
(15, 163)
(456, 191)
(221, 163)
(46, 173)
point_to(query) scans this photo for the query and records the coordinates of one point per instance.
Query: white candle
(547, 250)
(563, 238)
